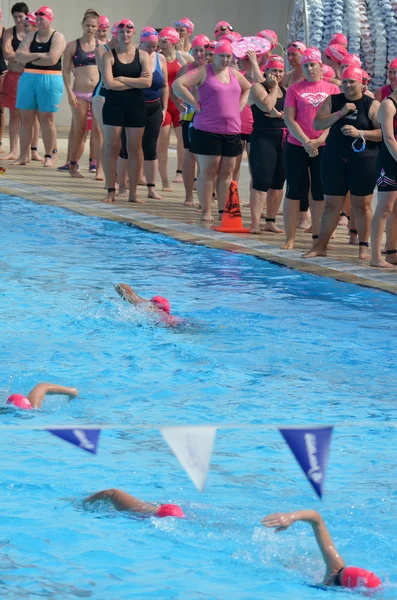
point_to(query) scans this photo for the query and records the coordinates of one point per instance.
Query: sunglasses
(206, 46)
(225, 28)
(122, 25)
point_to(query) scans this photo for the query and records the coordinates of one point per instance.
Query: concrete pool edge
(206, 237)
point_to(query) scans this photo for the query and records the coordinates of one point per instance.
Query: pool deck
(169, 216)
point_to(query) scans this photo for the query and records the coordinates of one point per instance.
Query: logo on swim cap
(354, 577)
(20, 401)
(170, 510)
(162, 303)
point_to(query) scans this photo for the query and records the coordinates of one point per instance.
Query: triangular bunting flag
(310, 447)
(192, 446)
(86, 439)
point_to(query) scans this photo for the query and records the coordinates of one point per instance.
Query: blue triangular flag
(310, 447)
(86, 439)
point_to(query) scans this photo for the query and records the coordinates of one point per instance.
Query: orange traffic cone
(231, 219)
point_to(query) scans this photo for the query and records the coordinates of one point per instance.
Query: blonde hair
(90, 13)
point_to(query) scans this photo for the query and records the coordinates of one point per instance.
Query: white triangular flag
(192, 446)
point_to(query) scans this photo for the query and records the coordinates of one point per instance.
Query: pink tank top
(385, 91)
(220, 105)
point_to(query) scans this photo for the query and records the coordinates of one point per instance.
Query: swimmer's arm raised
(127, 293)
(123, 501)
(38, 393)
(282, 521)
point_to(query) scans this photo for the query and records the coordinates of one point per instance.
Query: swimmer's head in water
(161, 303)
(170, 510)
(354, 577)
(20, 401)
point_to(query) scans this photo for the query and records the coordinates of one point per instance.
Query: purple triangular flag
(86, 439)
(310, 446)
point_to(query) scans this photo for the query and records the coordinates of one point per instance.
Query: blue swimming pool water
(266, 345)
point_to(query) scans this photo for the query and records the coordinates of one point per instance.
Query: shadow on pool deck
(171, 217)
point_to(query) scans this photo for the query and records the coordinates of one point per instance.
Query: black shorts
(297, 165)
(246, 137)
(386, 170)
(186, 134)
(123, 115)
(355, 174)
(215, 144)
(267, 159)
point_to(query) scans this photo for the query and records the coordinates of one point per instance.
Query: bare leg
(257, 203)
(180, 154)
(344, 219)
(224, 179)
(209, 167)
(49, 133)
(14, 125)
(273, 202)
(362, 209)
(291, 215)
(112, 149)
(236, 172)
(150, 169)
(384, 208)
(27, 120)
(317, 212)
(2, 127)
(391, 237)
(162, 150)
(97, 107)
(135, 159)
(189, 169)
(329, 220)
(38, 393)
(79, 114)
(34, 146)
(97, 143)
(122, 166)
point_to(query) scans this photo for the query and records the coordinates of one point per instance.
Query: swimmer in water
(36, 396)
(337, 574)
(125, 502)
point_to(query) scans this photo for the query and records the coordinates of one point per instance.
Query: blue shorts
(38, 91)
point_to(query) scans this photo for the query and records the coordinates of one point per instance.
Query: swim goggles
(363, 145)
(122, 25)
(149, 33)
(225, 28)
(206, 46)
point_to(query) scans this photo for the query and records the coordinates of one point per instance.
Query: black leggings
(154, 114)
(297, 164)
(267, 159)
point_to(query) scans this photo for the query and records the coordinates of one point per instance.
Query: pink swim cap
(20, 401)
(162, 303)
(352, 60)
(366, 76)
(170, 510)
(125, 23)
(115, 30)
(1, 14)
(354, 577)
(297, 45)
(336, 52)
(223, 47)
(149, 34)
(353, 73)
(223, 26)
(274, 62)
(311, 55)
(328, 71)
(200, 40)
(46, 12)
(104, 22)
(393, 64)
(31, 17)
(185, 23)
(338, 38)
(269, 35)
(170, 34)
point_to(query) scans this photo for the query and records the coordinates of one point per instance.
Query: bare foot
(272, 227)
(142, 182)
(1, 149)
(343, 221)
(189, 202)
(353, 239)
(10, 156)
(381, 263)
(20, 161)
(110, 197)
(363, 253)
(255, 230)
(312, 253)
(205, 216)
(74, 172)
(392, 259)
(123, 193)
(151, 193)
(309, 229)
(167, 188)
(136, 200)
(304, 224)
(178, 178)
(99, 176)
(289, 245)
(35, 156)
(48, 162)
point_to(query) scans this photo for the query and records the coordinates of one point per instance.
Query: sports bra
(82, 58)
(42, 48)
(340, 144)
(154, 92)
(132, 96)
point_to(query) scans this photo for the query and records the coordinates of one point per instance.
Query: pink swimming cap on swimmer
(31, 17)
(223, 47)
(366, 76)
(269, 35)
(200, 40)
(104, 22)
(338, 38)
(354, 577)
(328, 71)
(115, 30)
(274, 62)
(170, 34)
(223, 25)
(231, 37)
(297, 46)
(170, 510)
(125, 23)
(149, 34)
(162, 303)
(47, 12)
(311, 55)
(352, 60)
(336, 52)
(185, 23)
(20, 401)
(393, 64)
(353, 73)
